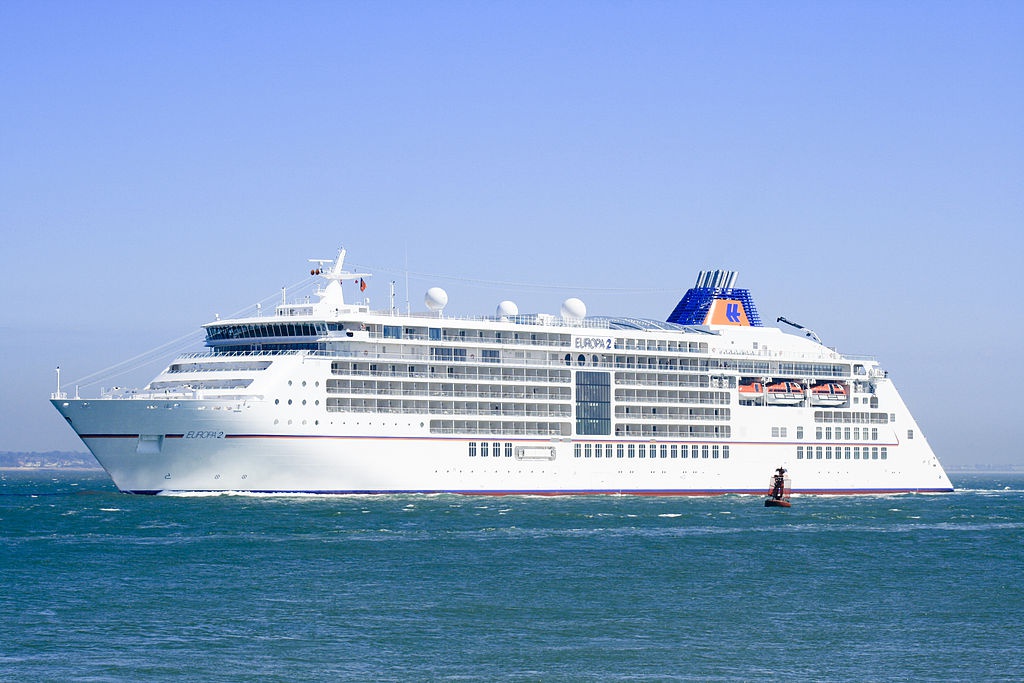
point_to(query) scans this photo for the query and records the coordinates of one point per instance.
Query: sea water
(102, 586)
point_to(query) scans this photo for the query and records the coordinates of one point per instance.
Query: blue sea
(103, 586)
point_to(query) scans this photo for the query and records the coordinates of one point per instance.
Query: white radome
(506, 309)
(574, 309)
(436, 299)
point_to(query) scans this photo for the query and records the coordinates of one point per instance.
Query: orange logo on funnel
(727, 312)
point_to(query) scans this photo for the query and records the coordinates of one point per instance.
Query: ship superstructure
(331, 397)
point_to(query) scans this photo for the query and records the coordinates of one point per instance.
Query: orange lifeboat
(828, 394)
(752, 391)
(785, 393)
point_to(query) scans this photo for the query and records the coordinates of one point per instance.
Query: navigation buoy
(778, 494)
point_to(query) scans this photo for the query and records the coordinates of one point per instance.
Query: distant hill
(49, 460)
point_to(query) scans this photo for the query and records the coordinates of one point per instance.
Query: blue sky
(860, 164)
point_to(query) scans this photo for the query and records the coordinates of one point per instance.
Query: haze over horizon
(860, 165)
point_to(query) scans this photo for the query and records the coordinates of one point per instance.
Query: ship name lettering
(592, 343)
(204, 435)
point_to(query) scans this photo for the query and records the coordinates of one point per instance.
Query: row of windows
(496, 449)
(238, 366)
(673, 431)
(260, 348)
(671, 396)
(852, 417)
(587, 450)
(468, 372)
(493, 450)
(757, 368)
(837, 433)
(262, 330)
(846, 434)
(671, 412)
(398, 388)
(842, 453)
(473, 408)
(510, 428)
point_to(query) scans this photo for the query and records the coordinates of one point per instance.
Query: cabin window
(910, 433)
(619, 450)
(577, 450)
(799, 452)
(472, 449)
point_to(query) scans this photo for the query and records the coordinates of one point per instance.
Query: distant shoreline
(48, 468)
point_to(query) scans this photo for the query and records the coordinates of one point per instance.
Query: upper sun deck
(713, 315)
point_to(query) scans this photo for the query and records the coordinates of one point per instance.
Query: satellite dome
(436, 299)
(574, 309)
(507, 309)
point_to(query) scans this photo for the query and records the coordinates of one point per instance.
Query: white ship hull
(196, 445)
(333, 398)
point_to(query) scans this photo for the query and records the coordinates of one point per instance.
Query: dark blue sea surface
(102, 586)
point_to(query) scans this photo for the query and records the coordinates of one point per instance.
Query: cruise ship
(326, 396)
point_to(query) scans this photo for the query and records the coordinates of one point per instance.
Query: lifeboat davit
(828, 394)
(785, 393)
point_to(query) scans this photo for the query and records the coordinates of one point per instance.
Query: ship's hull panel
(170, 449)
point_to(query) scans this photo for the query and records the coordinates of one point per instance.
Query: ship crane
(808, 332)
